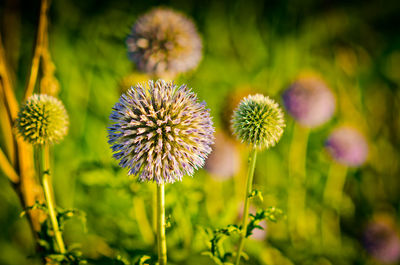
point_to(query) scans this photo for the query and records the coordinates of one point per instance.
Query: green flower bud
(42, 119)
(258, 121)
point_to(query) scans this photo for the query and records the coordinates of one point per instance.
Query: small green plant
(50, 253)
(217, 237)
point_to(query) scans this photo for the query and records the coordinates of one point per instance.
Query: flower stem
(330, 219)
(161, 241)
(44, 172)
(298, 228)
(249, 188)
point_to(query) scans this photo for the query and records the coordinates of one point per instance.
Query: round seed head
(258, 121)
(164, 42)
(160, 131)
(309, 101)
(347, 146)
(42, 119)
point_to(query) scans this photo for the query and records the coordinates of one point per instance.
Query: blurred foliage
(248, 46)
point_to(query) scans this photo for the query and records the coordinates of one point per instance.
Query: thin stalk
(249, 189)
(44, 178)
(42, 29)
(334, 185)
(330, 219)
(161, 241)
(297, 191)
(141, 216)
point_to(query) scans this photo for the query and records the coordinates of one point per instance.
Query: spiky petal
(160, 131)
(164, 42)
(258, 121)
(42, 119)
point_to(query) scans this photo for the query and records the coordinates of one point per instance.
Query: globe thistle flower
(160, 131)
(382, 241)
(309, 101)
(164, 42)
(223, 162)
(347, 146)
(258, 121)
(42, 119)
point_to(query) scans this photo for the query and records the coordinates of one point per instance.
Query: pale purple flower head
(160, 131)
(309, 101)
(164, 42)
(223, 162)
(347, 146)
(381, 240)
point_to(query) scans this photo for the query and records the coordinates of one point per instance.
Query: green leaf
(256, 194)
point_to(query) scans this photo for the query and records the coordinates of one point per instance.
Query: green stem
(297, 189)
(44, 178)
(161, 241)
(334, 185)
(249, 189)
(330, 219)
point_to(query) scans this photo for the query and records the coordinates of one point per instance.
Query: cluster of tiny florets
(258, 121)
(165, 43)
(42, 119)
(160, 131)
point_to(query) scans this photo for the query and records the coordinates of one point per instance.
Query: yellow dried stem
(38, 50)
(7, 168)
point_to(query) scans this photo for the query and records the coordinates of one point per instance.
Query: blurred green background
(249, 46)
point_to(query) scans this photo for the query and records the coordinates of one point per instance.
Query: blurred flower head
(258, 121)
(347, 146)
(223, 162)
(160, 131)
(381, 240)
(42, 119)
(164, 42)
(309, 101)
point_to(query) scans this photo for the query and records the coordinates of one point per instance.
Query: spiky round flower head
(42, 119)
(309, 101)
(347, 146)
(160, 131)
(258, 121)
(164, 42)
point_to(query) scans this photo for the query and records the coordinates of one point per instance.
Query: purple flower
(165, 43)
(347, 146)
(382, 241)
(309, 101)
(160, 131)
(223, 162)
